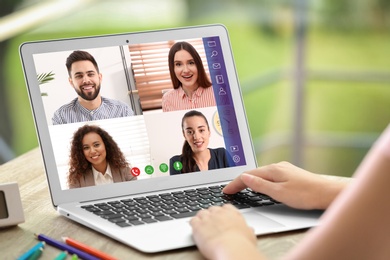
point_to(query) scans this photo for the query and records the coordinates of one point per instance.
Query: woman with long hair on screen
(96, 159)
(196, 156)
(191, 86)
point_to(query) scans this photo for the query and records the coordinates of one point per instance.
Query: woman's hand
(290, 185)
(222, 233)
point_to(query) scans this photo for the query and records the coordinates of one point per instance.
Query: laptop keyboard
(174, 205)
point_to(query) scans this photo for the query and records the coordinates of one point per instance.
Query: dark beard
(90, 96)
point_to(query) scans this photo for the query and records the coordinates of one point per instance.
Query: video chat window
(137, 75)
(149, 66)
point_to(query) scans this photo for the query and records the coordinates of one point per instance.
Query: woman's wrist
(330, 189)
(235, 247)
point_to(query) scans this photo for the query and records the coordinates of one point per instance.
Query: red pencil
(88, 249)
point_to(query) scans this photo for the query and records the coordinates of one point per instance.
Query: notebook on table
(151, 212)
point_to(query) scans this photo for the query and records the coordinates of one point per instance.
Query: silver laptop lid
(134, 70)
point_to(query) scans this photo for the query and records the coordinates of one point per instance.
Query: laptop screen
(152, 107)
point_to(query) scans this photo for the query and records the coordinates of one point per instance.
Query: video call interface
(138, 76)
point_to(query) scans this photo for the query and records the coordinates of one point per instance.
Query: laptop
(134, 69)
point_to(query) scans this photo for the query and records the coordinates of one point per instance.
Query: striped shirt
(74, 112)
(176, 99)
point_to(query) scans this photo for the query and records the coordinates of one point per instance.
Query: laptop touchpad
(260, 223)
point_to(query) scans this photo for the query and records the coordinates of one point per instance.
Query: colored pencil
(31, 251)
(88, 249)
(61, 256)
(65, 247)
(36, 255)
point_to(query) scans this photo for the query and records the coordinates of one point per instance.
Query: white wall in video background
(166, 137)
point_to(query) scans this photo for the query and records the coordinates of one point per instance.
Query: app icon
(236, 158)
(234, 148)
(219, 79)
(216, 66)
(211, 43)
(149, 169)
(135, 171)
(221, 92)
(163, 167)
(214, 54)
(177, 165)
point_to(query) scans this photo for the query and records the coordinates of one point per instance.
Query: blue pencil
(31, 251)
(36, 255)
(65, 247)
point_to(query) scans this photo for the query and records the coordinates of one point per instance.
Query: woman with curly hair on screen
(96, 159)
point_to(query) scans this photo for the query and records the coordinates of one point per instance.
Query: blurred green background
(345, 63)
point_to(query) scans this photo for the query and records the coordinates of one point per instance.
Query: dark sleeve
(224, 158)
(172, 170)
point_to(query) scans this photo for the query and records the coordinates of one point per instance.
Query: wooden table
(41, 217)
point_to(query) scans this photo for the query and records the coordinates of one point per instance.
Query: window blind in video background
(149, 62)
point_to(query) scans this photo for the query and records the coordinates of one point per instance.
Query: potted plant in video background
(44, 78)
